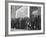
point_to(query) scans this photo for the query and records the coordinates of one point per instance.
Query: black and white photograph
(25, 18)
